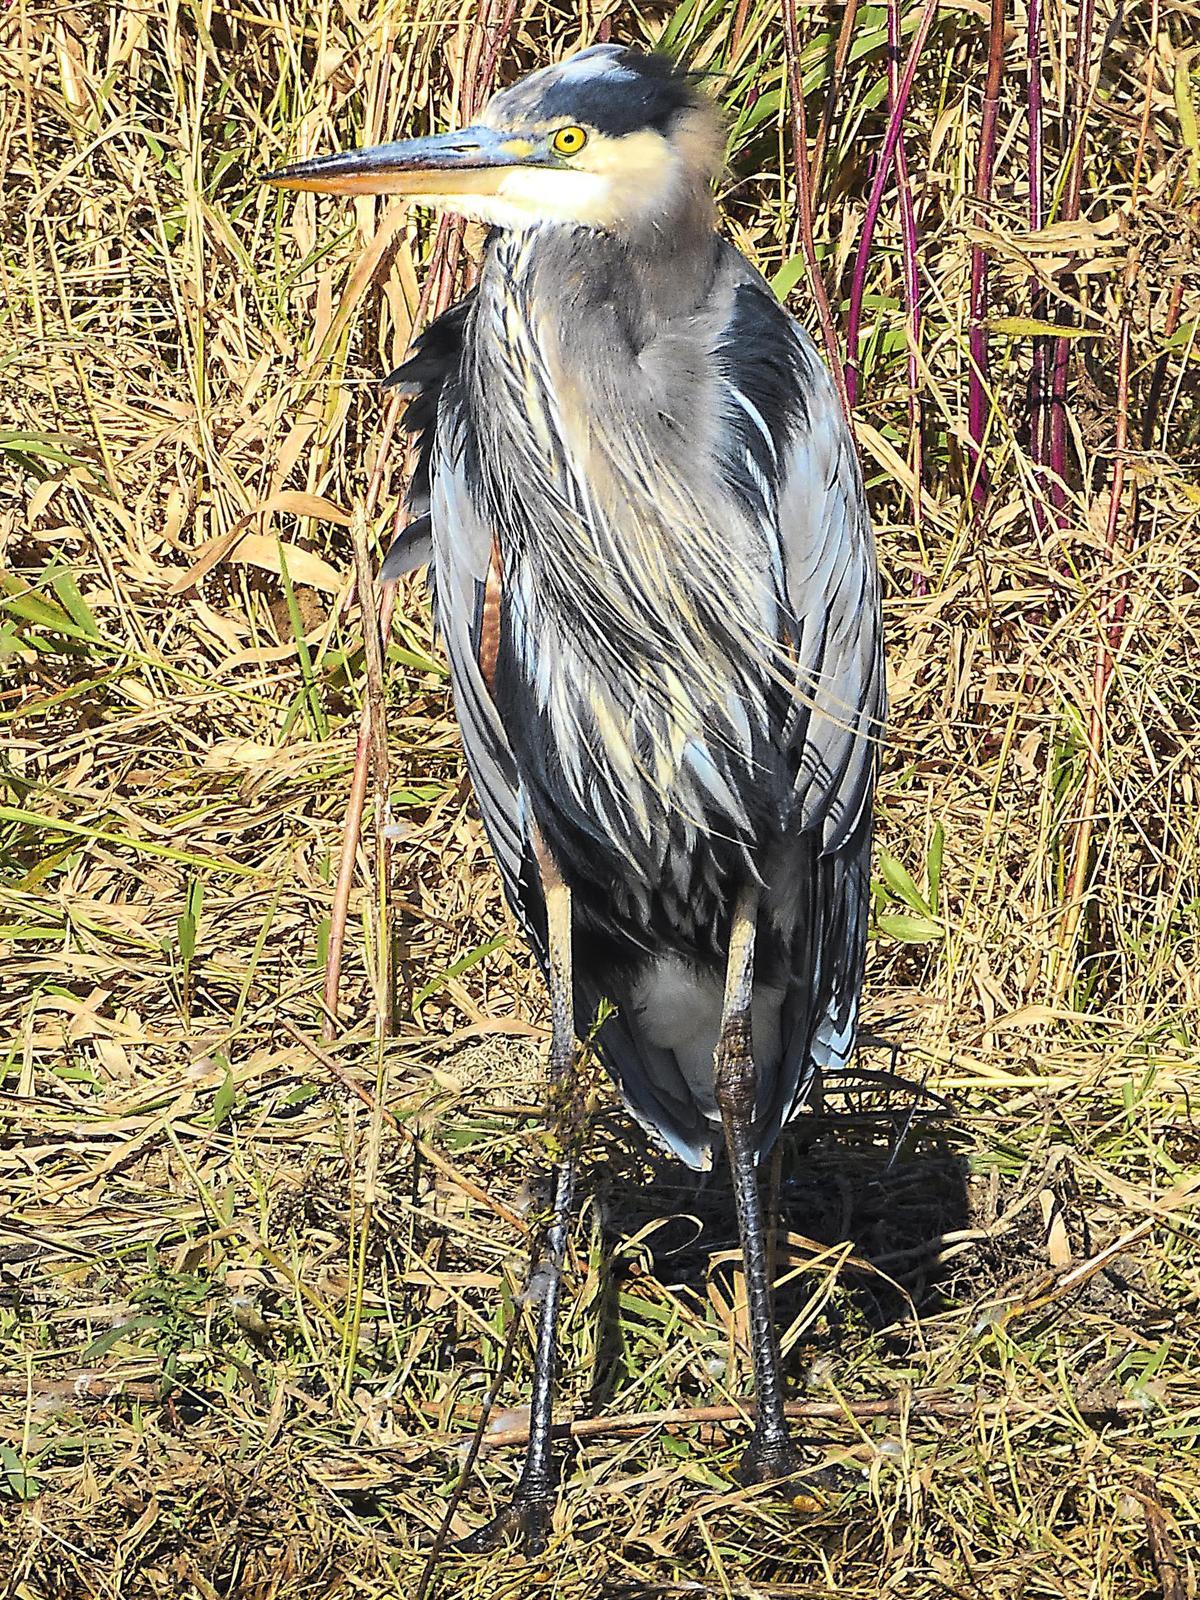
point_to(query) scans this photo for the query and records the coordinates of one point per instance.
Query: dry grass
(243, 1321)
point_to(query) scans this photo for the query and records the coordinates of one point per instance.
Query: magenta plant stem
(875, 198)
(1057, 427)
(1037, 217)
(977, 400)
(912, 288)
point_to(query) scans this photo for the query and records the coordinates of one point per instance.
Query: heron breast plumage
(640, 603)
(629, 468)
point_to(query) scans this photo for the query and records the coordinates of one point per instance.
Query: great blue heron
(655, 578)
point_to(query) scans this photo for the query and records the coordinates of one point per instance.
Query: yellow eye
(569, 141)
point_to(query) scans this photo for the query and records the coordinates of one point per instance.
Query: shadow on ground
(868, 1190)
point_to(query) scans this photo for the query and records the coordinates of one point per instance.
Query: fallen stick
(915, 1405)
(1171, 1577)
(87, 1385)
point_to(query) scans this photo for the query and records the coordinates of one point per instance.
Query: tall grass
(254, 1287)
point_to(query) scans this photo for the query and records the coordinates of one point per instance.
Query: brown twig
(933, 1406)
(1158, 372)
(499, 29)
(1048, 1291)
(376, 731)
(739, 28)
(1080, 100)
(95, 1387)
(1162, 1544)
(804, 200)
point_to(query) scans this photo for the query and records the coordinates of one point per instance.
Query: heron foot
(767, 1458)
(525, 1519)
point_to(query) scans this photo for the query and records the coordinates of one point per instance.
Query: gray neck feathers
(644, 278)
(596, 392)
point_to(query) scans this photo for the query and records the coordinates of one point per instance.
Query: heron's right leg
(527, 1516)
(770, 1453)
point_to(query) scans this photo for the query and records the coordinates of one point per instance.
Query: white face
(606, 140)
(607, 183)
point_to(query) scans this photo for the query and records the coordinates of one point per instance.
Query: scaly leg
(770, 1453)
(527, 1516)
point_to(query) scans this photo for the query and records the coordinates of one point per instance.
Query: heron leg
(770, 1453)
(527, 1516)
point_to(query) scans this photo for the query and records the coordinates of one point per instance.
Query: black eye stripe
(616, 106)
(625, 93)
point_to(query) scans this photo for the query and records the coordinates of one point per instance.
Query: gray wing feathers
(797, 477)
(462, 554)
(816, 874)
(833, 590)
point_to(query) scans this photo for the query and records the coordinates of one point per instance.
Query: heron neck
(644, 278)
(597, 341)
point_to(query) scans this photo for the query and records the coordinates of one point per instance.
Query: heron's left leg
(770, 1453)
(528, 1514)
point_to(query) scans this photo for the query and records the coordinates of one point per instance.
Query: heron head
(610, 139)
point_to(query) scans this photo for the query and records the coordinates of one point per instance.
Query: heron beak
(471, 161)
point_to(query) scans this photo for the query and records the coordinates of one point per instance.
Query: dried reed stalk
(978, 403)
(891, 139)
(438, 291)
(1038, 415)
(1112, 593)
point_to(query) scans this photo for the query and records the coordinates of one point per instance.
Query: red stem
(1070, 212)
(1037, 217)
(498, 32)
(874, 200)
(841, 55)
(977, 401)
(912, 288)
(739, 28)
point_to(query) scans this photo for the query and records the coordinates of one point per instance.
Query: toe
(766, 1460)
